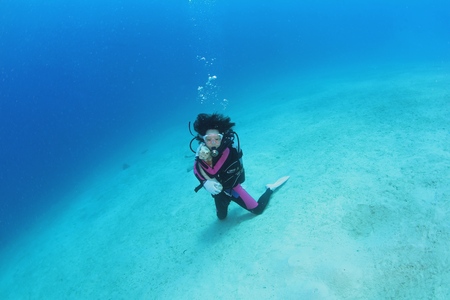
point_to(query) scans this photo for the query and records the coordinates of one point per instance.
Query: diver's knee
(257, 210)
(221, 215)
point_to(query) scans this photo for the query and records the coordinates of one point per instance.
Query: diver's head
(213, 140)
(213, 130)
(205, 122)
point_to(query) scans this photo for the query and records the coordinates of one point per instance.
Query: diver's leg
(222, 201)
(264, 199)
(262, 202)
(246, 200)
(240, 202)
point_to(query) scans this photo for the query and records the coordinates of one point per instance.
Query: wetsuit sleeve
(196, 166)
(199, 176)
(197, 172)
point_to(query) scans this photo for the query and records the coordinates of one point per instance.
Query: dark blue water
(78, 79)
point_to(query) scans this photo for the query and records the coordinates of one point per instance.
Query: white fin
(278, 183)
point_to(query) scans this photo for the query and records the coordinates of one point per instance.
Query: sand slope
(365, 214)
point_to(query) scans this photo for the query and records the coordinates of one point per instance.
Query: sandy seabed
(365, 214)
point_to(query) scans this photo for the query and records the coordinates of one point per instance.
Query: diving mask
(213, 137)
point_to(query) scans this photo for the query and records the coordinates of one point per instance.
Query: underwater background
(80, 81)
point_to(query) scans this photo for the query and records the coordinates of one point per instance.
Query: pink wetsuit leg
(248, 200)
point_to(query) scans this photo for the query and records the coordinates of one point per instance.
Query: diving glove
(212, 186)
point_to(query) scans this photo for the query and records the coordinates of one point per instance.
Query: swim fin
(277, 184)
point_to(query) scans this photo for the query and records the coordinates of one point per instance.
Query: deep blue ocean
(78, 79)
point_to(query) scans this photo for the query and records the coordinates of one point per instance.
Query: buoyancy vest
(227, 168)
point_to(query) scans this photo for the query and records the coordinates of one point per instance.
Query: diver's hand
(212, 186)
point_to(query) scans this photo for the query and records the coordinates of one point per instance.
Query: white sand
(365, 214)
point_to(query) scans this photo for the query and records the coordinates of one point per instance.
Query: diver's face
(212, 138)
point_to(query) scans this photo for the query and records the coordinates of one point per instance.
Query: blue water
(79, 79)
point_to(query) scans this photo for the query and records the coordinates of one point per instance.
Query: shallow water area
(363, 216)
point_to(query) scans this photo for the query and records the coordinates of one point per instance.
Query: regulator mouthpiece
(214, 152)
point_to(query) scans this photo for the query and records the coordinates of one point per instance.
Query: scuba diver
(218, 166)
